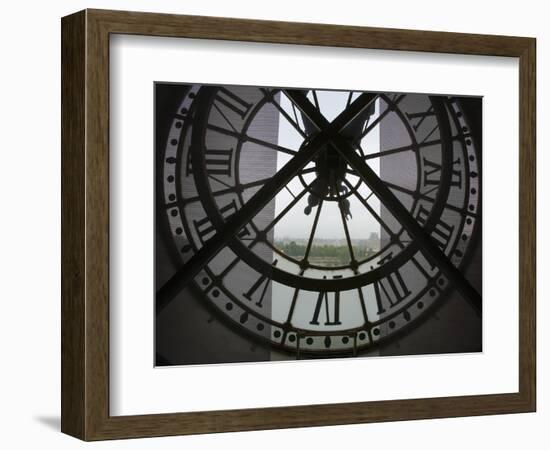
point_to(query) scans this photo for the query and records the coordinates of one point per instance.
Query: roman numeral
(442, 232)
(432, 173)
(217, 161)
(232, 102)
(205, 228)
(390, 291)
(262, 282)
(418, 118)
(331, 309)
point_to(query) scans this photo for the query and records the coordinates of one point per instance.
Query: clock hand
(265, 194)
(420, 235)
(391, 202)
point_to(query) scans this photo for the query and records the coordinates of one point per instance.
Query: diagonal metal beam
(236, 222)
(391, 202)
(419, 234)
(339, 124)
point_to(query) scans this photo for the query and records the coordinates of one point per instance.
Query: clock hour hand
(390, 201)
(246, 213)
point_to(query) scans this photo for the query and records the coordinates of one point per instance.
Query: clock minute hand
(419, 234)
(390, 201)
(238, 220)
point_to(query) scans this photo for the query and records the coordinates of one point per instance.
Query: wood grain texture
(85, 224)
(73, 108)
(527, 224)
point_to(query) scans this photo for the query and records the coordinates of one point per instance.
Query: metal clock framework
(219, 213)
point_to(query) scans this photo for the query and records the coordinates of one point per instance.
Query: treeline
(323, 251)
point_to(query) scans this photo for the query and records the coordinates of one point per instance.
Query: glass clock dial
(290, 211)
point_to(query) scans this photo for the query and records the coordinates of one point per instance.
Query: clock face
(318, 223)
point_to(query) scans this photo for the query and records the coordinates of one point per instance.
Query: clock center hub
(330, 169)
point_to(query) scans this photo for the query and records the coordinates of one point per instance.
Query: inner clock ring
(327, 159)
(203, 102)
(322, 166)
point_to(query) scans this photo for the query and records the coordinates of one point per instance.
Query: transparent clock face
(307, 223)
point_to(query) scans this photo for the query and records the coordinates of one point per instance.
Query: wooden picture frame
(85, 224)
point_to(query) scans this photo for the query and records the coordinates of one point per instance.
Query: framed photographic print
(271, 224)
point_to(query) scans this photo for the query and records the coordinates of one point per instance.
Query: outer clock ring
(371, 344)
